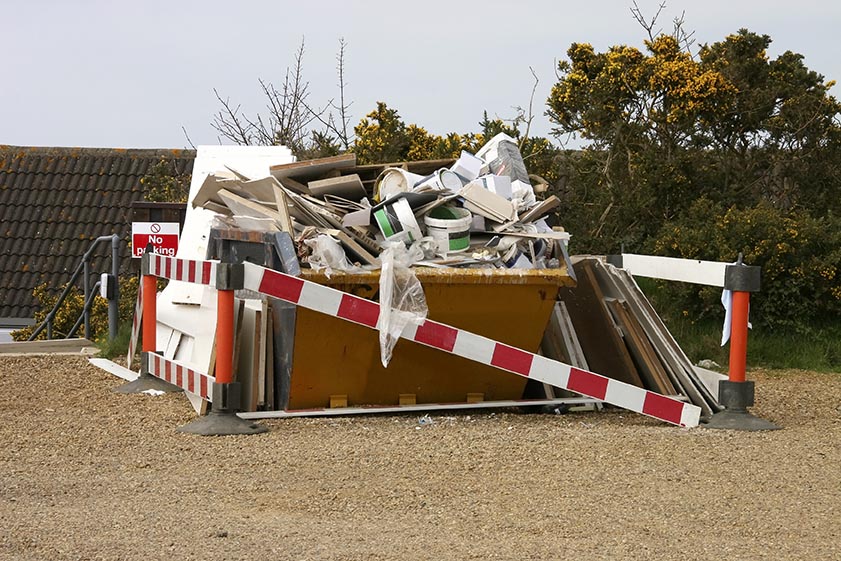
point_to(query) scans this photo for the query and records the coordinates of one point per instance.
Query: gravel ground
(89, 474)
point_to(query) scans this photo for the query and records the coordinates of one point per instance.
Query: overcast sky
(132, 74)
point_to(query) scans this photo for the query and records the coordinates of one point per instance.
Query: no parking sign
(162, 235)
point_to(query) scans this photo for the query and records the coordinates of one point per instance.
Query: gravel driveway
(89, 474)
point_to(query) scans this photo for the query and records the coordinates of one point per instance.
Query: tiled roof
(54, 202)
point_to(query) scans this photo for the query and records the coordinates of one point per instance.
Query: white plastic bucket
(393, 181)
(441, 180)
(450, 228)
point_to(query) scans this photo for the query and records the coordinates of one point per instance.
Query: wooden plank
(561, 343)
(346, 186)
(262, 325)
(296, 186)
(114, 368)
(261, 189)
(284, 318)
(282, 202)
(270, 367)
(600, 340)
(571, 342)
(649, 366)
(308, 170)
(245, 360)
(358, 253)
(553, 344)
(257, 380)
(540, 209)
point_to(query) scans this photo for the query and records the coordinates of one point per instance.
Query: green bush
(800, 256)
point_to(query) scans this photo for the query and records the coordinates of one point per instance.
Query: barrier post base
(222, 419)
(736, 397)
(146, 381)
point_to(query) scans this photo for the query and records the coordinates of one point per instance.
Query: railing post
(146, 381)
(86, 278)
(114, 301)
(226, 394)
(737, 394)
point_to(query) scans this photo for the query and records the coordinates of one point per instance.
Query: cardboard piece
(497, 184)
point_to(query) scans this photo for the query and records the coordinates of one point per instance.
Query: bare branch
(684, 38)
(530, 115)
(647, 24)
(227, 122)
(187, 136)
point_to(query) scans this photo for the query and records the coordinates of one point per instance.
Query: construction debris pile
(464, 243)
(479, 211)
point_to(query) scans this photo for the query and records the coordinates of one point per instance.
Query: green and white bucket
(397, 221)
(449, 227)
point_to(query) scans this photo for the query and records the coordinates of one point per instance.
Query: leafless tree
(289, 116)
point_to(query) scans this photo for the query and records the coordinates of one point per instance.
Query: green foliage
(800, 256)
(72, 307)
(778, 348)
(117, 347)
(165, 183)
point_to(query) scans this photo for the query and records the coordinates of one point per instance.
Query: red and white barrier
(197, 272)
(474, 347)
(181, 376)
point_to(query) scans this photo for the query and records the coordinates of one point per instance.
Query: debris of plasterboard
(114, 368)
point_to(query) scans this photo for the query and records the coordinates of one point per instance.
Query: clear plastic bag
(327, 254)
(402, 300)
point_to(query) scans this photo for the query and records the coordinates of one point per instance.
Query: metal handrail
(113, 309)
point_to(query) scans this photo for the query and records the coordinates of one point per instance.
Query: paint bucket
(393, 181)
(441, 180)
(397, 221)
(449, 227)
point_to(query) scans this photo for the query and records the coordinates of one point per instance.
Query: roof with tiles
(55, 201)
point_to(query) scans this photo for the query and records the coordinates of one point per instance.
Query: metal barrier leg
(226, 394)
(736, 394)
(146, 381)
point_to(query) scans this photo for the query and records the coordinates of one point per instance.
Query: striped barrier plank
(336, 303)
(187, 270)
(179, 375)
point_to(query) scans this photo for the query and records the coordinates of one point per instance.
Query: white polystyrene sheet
(252, 161)
(710, 273)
